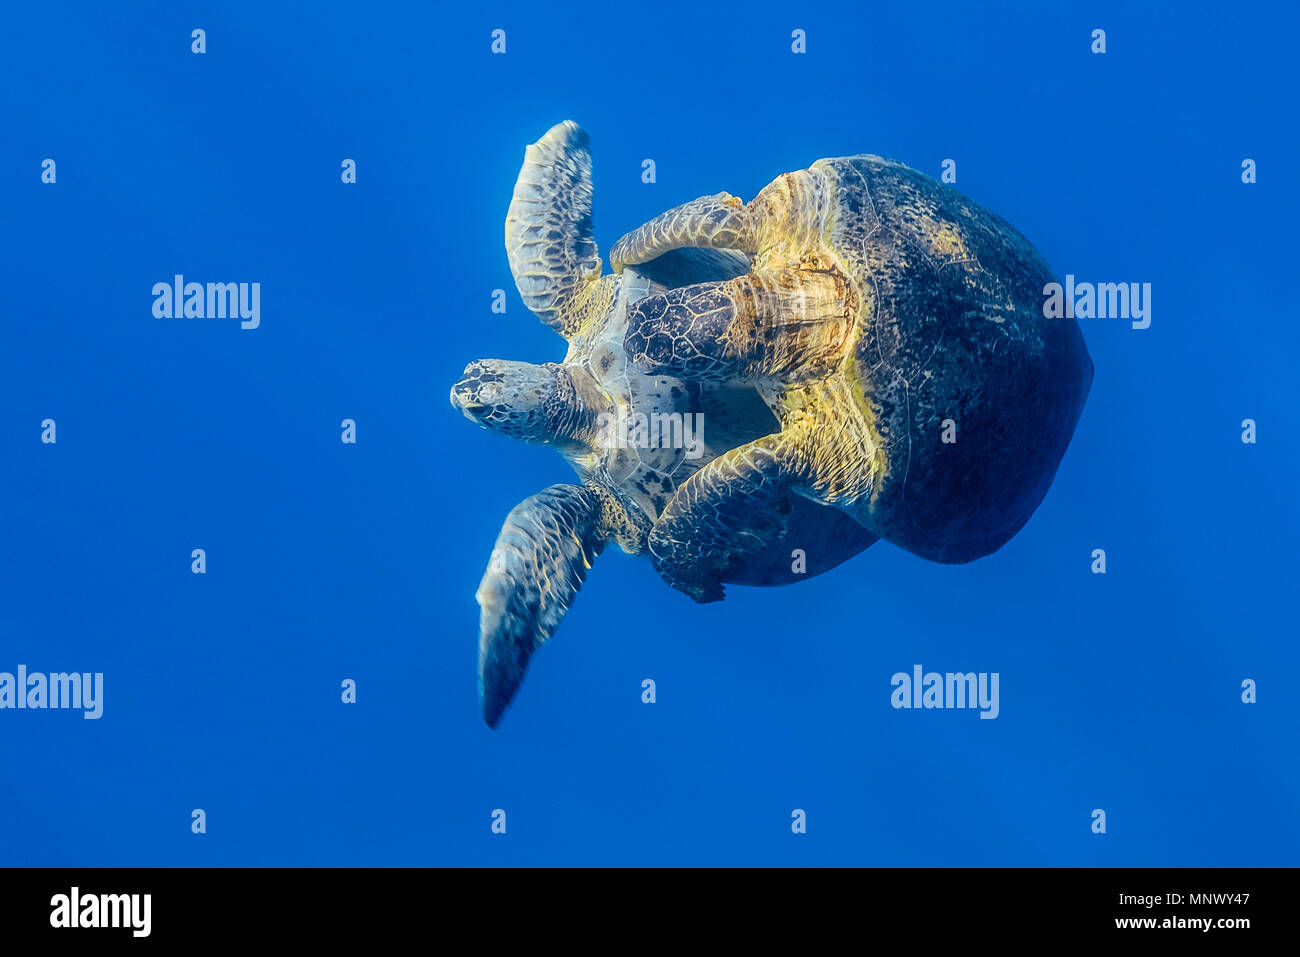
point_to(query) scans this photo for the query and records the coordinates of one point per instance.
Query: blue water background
(329, 561)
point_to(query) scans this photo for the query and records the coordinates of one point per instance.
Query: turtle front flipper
(549, 239)
(732, 521)
(790, 318)
(789, 323)
(540, 560)
(717, 222)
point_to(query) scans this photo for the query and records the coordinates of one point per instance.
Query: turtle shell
(972, 391)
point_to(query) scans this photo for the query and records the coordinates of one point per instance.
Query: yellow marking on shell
(857, 391)
(797, 213)
(847, 464)
(947, 242)
(850, 370)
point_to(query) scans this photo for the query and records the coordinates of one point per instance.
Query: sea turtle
(896, 330)
(588, 409)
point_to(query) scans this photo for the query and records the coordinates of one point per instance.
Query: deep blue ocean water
(328, 561)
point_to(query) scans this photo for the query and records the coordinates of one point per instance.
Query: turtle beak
(463, 400)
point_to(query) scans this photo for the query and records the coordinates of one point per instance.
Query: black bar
(336, 906)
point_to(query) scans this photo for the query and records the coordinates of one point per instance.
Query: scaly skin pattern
(540, 560)
(548, 541)
(790, 324)
(881, 305)
(730, 518)
(557, 269)
(548, 229)
(716, 222)
(642, 478)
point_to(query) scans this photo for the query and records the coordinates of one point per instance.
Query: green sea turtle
(896, 330)
(580, 408)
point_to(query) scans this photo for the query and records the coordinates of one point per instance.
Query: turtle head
(546, 404)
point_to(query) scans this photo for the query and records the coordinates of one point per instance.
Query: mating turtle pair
(867, 348)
